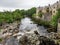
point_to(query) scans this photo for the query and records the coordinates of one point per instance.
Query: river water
(27, 24)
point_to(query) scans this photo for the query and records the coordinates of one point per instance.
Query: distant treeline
(17, 15)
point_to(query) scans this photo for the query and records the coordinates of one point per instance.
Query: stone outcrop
(28, 38)
(55, 37)
(9, 29)
(48, 11)
(35, 39)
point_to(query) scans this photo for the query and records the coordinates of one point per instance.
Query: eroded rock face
(29, 39)
(46, 41)
(55, 37)
(35, 39)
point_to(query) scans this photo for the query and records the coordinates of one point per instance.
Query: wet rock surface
(13, 36)
(55, 37)
(35, 39)
(11, 41)
(32, 38)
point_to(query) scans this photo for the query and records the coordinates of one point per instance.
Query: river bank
(46, 24)
(26, 31)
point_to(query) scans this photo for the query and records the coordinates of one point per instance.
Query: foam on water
(27, 24)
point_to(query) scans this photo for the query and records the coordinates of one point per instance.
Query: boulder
(35, 39)
(46, 41)
(29, 39)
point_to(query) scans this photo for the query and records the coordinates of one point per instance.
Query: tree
(17, 15)
(55, 18)
(31, 11)
(40, 14)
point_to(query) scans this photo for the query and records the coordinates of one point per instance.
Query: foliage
(41, 22)
(9, 17)
(0, 40)
(40, 14)
(31, 11)
(34, 15)
(17, 15)
(55, 18)
(58, 13)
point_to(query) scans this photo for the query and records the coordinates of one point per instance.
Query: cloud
(25, 4)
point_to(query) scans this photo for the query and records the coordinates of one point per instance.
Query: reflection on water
(27, 24)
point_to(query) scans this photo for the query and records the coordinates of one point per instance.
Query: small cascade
(28, 25)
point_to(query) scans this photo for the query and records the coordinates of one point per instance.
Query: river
(27, 24)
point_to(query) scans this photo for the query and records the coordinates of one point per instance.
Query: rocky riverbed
(27, 33)
(28, 38)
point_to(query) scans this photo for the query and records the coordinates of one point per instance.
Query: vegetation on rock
(17, 15)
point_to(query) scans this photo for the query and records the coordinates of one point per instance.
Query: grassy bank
(46, 24)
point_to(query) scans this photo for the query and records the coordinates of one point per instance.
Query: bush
(40, 14)
(1, 40)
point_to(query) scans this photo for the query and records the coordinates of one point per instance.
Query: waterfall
(27, 24)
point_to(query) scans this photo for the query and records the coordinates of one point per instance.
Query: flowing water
(12, 41)
(27, 24)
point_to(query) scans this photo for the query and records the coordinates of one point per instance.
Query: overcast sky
(23, 4)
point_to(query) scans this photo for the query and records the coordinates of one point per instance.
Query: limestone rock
(35, 39)
(30, 39)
